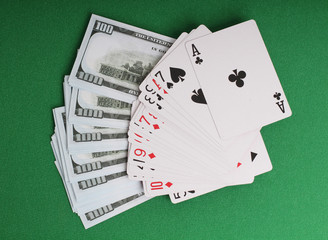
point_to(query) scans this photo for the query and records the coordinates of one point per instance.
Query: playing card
(180, 100)
(172, 79)
(146, 123)
(176, 76)
(258, 161)
(242, 174)
(160, 135)
(238, 79)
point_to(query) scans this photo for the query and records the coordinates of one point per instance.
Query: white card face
(258, 162)
(242, 174)
(261, 162)
(150, 132)
(238, 79)
(182, 94)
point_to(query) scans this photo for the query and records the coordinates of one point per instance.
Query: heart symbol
(169, 85)
(177, 74)
(198, 96)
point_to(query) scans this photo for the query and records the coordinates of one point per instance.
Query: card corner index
(191, 48)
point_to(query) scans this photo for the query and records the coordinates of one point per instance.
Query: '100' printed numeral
(103, 27)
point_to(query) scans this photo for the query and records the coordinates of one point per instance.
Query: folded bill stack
(147, 115)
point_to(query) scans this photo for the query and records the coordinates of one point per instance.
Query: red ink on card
(169, 184)
(152, 155)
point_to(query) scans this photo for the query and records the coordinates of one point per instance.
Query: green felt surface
(38, 45)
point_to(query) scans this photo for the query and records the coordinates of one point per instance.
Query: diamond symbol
(152, 155)
(156, 126)
(238, 164)
(169, 184)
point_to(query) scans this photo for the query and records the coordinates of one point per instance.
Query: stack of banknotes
(90, 142)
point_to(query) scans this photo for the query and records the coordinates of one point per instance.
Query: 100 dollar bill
(91, 109)
(115, 57)
(85, 166)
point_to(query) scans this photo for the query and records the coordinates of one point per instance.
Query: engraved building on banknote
(134, 73)
(112, 103)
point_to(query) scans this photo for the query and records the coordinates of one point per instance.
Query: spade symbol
(198, 96)
(159, 97)
(253, 156)
(169, 85)
(177, 74)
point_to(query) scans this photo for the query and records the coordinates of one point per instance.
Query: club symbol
(237, 77)
(279, 103)
(198, 60)
(277, 95)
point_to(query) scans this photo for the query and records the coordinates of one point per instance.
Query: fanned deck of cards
(147, 115)
(197, 126)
